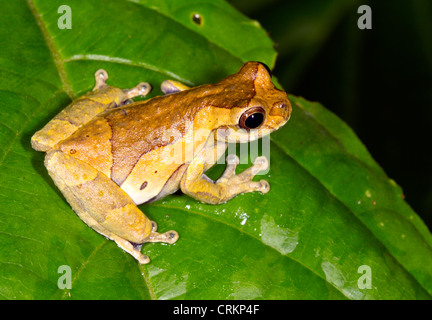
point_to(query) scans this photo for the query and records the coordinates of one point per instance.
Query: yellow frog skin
(107, 155)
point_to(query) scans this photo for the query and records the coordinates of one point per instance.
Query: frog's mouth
(236, 134)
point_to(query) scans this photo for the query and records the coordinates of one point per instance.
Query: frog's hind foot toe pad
(169, 237)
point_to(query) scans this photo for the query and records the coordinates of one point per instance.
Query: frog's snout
(281, 109)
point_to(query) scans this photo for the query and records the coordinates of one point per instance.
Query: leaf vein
(58, 61)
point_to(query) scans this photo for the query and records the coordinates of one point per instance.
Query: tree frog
(108, 154)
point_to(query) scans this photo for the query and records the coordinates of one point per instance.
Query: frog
(105, 152)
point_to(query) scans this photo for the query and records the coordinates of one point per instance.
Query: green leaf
(331, 209)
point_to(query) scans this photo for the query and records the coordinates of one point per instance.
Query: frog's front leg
(84, 109)
(103, 205)
(197, 185)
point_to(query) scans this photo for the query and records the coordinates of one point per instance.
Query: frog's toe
(169, 237)
(232, 162)
(263, 186)
(154, 226)
(143, 259)
(232, 159)
(172, 236)
(142, 89)
(171, 86)
(261, 163)
(253, 186)
(101, 77)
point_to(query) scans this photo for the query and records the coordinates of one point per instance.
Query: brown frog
(107, 155)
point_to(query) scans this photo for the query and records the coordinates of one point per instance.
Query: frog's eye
(252, 118)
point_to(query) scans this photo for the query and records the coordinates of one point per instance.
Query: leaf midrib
(57, 59)
(60, 62)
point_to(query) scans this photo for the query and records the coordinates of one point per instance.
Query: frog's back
(114, 141)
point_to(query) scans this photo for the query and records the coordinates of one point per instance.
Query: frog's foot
(171, 86)
(169, 237)
(142, 89)
(101, 77)
(242, 182)
(197, 185)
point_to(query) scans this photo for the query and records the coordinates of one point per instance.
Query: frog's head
(259, 109)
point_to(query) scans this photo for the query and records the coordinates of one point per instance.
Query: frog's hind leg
(103, 205)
